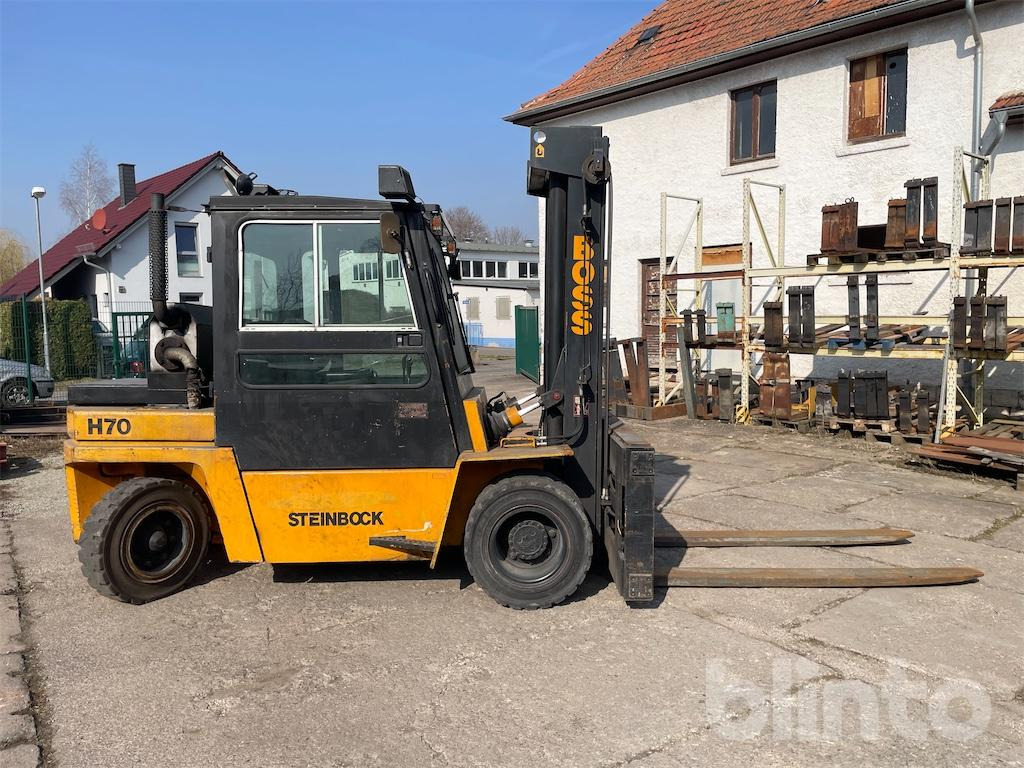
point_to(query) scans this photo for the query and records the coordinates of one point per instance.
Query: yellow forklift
(323, 410)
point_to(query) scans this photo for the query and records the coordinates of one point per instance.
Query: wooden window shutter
(503, 308)
(473, 309)
(867, 86)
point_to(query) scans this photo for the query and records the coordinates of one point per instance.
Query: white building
(834, 100)
(106, 260)
(495, 280)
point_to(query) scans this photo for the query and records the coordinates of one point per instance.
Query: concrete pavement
(368, 665)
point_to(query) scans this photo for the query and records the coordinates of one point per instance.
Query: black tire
(145, 539)
(528, 543)
(14, 393)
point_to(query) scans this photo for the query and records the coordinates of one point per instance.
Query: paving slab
(748, 457)
(1003, 568)
(671, 488)
(1010, 536)
(935, 513)
(828, 490)
(713, 468)
(732, 509)
(21, 756)
(972, 640)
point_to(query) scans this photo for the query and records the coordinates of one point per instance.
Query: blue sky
(311, 95)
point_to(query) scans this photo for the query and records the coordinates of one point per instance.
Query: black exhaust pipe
(158, 258)
(171, 352)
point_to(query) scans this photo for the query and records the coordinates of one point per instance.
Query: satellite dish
(99, 219)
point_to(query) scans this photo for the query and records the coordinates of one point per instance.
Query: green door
(528, 343)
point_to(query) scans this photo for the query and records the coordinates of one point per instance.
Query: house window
(878, 96)
(489, 268)
(364, 272)
(503, 308)
(478, 269)
(186, 244)
(502, 269)
(190, 298)
(753, 123)
(527, 269)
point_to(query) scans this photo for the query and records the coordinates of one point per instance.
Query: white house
(835, 100)
(496, 279)
(106, 260)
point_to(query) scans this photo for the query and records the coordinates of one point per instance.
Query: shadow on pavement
(20, 466)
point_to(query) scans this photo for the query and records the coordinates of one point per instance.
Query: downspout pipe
(110, 283)
(979, 69)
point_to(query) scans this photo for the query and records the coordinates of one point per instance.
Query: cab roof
(300, 203)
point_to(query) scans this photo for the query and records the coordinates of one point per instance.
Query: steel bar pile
(998, 445)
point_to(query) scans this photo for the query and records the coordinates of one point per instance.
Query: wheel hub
(156, 543)
(157, 540)
(528, 540)
(17, 394)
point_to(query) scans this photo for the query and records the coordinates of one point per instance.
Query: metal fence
(81, 347)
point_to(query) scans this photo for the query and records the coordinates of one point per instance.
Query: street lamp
(38, 193)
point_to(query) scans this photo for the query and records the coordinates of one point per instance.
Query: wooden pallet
(861, 425)
(895, 438)
(800, 425)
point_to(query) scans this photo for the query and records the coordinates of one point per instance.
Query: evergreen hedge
(72, 345)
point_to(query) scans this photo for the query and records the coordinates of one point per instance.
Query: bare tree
(12, 255)
(87, 187)
(510, 235)
(466, 224)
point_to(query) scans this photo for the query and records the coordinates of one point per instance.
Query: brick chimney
(126, 181)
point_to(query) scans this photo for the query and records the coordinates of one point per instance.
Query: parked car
(14, 385)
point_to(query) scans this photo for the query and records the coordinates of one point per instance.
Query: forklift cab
(338, 341)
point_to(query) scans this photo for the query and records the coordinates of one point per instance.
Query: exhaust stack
(172, 332)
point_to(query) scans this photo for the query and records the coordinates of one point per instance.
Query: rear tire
(528, 543)
(145, 539)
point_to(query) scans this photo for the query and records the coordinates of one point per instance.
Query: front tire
(145, 539)
(528, 543)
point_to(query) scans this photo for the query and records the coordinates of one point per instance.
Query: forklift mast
(568, 167)
(611, 470)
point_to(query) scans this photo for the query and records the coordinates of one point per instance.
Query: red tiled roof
(1008, 100)
(693, 31)
(85, 239)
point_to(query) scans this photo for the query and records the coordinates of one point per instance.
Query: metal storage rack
(953, 263)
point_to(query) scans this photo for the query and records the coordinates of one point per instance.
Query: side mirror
(390, 232)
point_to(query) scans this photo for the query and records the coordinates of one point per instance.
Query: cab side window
(361, 285)
(322, 274)
(277, 274)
